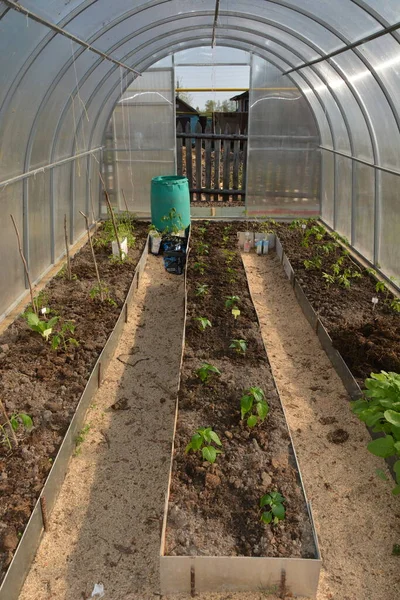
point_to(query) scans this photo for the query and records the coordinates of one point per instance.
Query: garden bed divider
(31, 537)
(198, 574)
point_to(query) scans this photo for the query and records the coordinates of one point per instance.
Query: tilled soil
(214, 509)
(47, 384)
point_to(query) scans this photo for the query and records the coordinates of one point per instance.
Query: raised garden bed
(213, 538)
(55, 388)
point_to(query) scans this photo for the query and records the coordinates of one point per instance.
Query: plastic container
(155, 243)
(265, 246)
(259, 247)
(124, 247)
(170, 202)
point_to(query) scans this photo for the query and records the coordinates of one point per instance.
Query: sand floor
(105, 527)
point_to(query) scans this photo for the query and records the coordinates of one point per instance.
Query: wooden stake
(121, 256)
(3, 410)
(43, 507)
(92, 205)
(25, 265)
(69, 274)
(126, 204)
(93, 255)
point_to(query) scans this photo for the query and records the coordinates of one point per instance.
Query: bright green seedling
(231, 301)
(41, 326)
(229, 256)
(203, 323)
(202, 248)
(272, 508)
(202, 440)
(313, 263)
(200, 266)
(380, 410)
(21, 419)
(239, 346)
(62, 337)
(395, 305)
(253, 401)
(202, 289)
(96, 291)
(206, 371)
(201, 230)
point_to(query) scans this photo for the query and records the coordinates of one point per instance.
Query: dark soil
(47, 384)
(214, 509)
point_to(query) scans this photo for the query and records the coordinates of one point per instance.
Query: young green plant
(239, 346)
(272, 508)
(203, 323)
(202, 289)
(254, 406)
(202, 441)
(206, 372)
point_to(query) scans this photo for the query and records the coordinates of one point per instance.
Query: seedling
(203, 323)
(272, 508)
(298, 223)
(232, 275)
(231, 301)
(202, 289)
(206, 371)
(102, 292)
(239, 346)
(202, 440)
(200, 266)
(61, 337)
(16, 421)
(202, 248)
(175, 222)
(380, 410)
(254, 399)
(229, 256)
(396, 550)
(41, 326)
(313, 263)
(395, 305)
(380, 286)
(201, 230)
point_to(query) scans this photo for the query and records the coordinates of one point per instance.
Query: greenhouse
(200, 299)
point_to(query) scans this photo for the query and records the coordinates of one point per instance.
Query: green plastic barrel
(170, 202)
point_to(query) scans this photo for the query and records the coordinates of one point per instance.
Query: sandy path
(357, 518)
(106, 523)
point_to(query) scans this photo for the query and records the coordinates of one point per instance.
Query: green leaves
(254, 398)
(206, 371)
(41, 326)
(239, 346)
(202, 440)
(383, 447)
(231, 301)
(392, 417)
(202, 289)
(21, 419)
(203, 323)
(275, 510)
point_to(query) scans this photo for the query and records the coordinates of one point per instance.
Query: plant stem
(21, 252)
(126, 204)
(110, 208)
(3, 410)
(69, 274)
(93, 255)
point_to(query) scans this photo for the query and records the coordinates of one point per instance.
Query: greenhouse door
(283, 174)
(141, 140)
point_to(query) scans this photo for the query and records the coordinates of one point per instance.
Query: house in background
(242, 102)
(186, 114)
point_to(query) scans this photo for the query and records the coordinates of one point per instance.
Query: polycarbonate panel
(364, 212)
(12, 270)
(39, 224)
(62, 205)
(328, 186)
(317, 110)
(283, 173)
(389, 232)
(211, 56)
(344, 172)
(389, 9)
(380, 114)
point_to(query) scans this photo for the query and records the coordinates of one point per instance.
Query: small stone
(5, 348)
(9, 540)
(281, 549)
(47, 416)
(2, 355)
(266, 479)
(212, 481)
(256, 446)
(229, 435)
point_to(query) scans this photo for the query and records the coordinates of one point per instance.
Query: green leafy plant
(95, 293)
(313, 263)
(175, 222)
(253, 401)
(202, 441)
(315, 233)
(125, 227)
(239, 346)
(203, 323)
(395, 305)
(200, 266)
(298, 224)
(341, 274)
(202, 248)
(62, 337)
(272, 508)
(16, 421)
(202, 289)
(229, 256)
(231, 275)
(201, 231)
(231, 301)
(206, 371)
(380, 410)
(41, 326)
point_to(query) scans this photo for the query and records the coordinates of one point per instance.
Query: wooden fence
(214, 163)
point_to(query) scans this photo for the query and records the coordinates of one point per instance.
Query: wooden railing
(214, 163)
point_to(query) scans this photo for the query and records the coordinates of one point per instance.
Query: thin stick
(126, 204)
(21, 252)
(92, 205)
(3, 410)
(112, 217)
(69, 274)
(93, 255)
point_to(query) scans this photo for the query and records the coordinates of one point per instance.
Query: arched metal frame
(274, 37)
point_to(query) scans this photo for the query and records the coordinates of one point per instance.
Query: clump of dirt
(47, 384)
(214, 509)
(338, 436)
